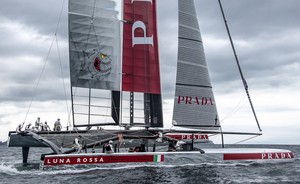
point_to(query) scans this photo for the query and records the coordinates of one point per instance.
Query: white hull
(237, 154)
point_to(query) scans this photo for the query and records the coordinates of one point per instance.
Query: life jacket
(140, 149)
(108, 147)
(78, 140)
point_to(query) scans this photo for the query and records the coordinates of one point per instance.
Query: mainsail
(95, 61)
(194, 104)
(94, 43)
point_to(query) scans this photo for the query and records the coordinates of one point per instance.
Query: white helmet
(110, 142)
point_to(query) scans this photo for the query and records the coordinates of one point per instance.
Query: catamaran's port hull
(66, 138)
(170, 157)
(61, 139)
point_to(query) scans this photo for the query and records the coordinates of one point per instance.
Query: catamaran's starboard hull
(169, 157)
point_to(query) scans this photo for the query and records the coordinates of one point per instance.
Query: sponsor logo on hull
(258, 156)
(103, 159)
(188, 136)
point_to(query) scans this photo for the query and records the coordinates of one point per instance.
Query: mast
(239, 67)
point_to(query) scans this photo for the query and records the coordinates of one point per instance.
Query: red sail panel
(140, 47)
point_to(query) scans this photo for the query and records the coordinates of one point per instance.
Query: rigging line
(238, 64)
(108, 102)
(73, 95)
(44, 66)
(90, 27)
(109, 132)
(234, 110)
(88, 35)
(96, 38)
(85, 137)
(72, 98)
(62, 76)
(247, 139)
(60, 15)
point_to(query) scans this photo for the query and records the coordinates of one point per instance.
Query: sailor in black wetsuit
(141, 148)
(171, 146)
(109, 147)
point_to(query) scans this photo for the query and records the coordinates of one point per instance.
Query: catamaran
(115, 81)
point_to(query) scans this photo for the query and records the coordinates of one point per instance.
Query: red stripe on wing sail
(141, 71)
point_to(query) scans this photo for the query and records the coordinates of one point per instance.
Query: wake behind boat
(115, 81)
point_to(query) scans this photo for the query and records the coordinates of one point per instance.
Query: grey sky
(265, 32)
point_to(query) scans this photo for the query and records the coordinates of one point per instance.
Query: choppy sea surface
(12, 171)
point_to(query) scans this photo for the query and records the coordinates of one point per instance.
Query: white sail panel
(94, 44)
(194, 104)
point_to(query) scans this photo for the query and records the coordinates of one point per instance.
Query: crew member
(46, 127)
(77, 144)
(141, 148)
(160, 138)
(37, 123)
(19, 128)
(171, 146)
(109, 147)
(42, 126)
(27, 127)
(57, 125)
(178, 145)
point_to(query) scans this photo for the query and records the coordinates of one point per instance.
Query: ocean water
(12, 171)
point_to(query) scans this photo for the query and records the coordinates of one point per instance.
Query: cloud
(43, 17)
(22, 59)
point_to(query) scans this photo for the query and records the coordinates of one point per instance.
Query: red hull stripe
(257, 156)
(101, 159)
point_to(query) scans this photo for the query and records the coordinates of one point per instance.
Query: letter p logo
(141, 40)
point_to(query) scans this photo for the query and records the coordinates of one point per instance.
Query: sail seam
(189, 27)
(190, 39)
(192, 85)
(91, 16)
(193, 64)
